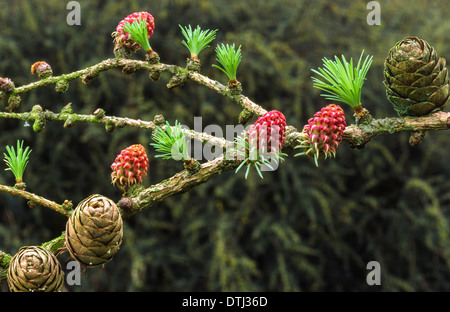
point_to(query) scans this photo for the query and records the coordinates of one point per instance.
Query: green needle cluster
(197, 39)
(17, 161)
(255, 157)
(341, 81)
(138, 32)
(171, 142)
(229, 58)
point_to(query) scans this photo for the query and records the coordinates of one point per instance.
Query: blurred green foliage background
(301, 228)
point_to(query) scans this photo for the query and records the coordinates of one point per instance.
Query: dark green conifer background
(301, 228)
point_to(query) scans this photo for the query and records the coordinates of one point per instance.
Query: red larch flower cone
(268, 132)
(323, 133)
(122, 37)
(130, 167)
(263, 142)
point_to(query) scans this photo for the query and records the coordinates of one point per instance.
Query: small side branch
(244, 101)
(130, 66)
(177, 184)
(39, 117)
(91, 72)
(36, 199)
(359, 135)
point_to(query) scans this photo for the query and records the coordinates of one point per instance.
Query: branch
(177, 184)
(38, 117)
(359, 135)
(93, 71)
(140, 198)
(63, 208)
(242, 100)
(356, 135)
(130, 66)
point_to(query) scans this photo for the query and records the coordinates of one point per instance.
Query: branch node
(6, 85)
(61, 86)
(67, 109)
(362, 116)
(42, 69)
(192, 165)
(121, 123)
(20, 186)
(110, 126)
(67, 205)
(125, 204)
(152, 57)
(245, 116)
(159, 120)
(235, 87)
(178, 80)
(89, 76)
(99, 113)
(13, 102)
(193, 64)
(154, 74)
(39, 118)
(129, 69)
(121, 52)
(32, 204)
(416, 137)
(70, 121)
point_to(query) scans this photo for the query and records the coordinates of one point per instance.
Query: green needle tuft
(254, 157)
(138, 32)
(171, 142)
(229, 58)
(341, 81)
(197, 39)
(17, 161)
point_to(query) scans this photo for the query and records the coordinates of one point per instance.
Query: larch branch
(357, 135)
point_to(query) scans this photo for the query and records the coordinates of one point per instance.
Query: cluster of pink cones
(320, 137)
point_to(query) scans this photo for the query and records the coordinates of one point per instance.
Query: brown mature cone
(416, 79)
(34, 268)
(94, 231)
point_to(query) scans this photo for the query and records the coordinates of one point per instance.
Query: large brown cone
(94, 231)
(416, 79)
(34, 268)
